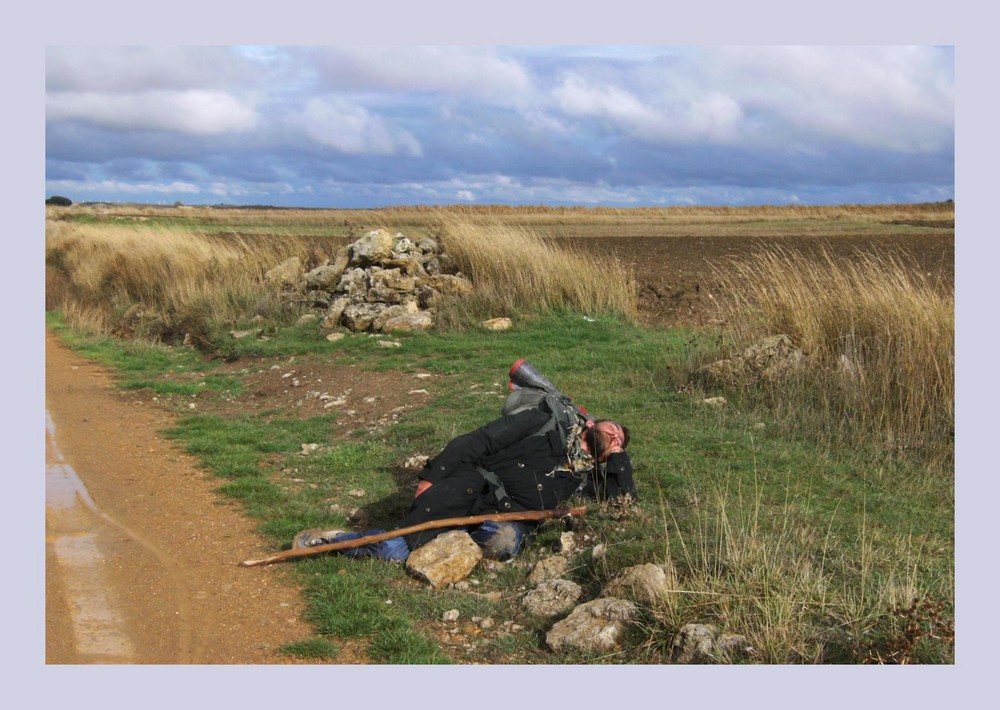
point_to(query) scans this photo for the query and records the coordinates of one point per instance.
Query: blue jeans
(392, 549)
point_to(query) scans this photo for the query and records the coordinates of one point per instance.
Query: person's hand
(615, 439)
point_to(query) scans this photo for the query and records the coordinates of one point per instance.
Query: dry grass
(186, 279)
(878, 333)
(97, 273)
(779, 583)
(514, 269)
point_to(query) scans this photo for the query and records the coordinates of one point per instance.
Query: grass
(879, 338)
(515, 270)
(810, 554)
(163, 284)
(816, 553)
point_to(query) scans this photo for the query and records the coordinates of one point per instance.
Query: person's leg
(394, 548)
(500, 541)
(450, 497)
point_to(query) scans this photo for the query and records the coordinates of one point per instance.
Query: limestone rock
(334, 312)
(359, 317)
(373, 248)
(547, 569)
(287, 272)
(552, 598)
(596, 625)
(388, 314)
(407, 322)
(353, 282)
(567, 543)
(446, 559)
(646, 584)
(694, 643)
(451, 285)
(367, 278)
(324, 278)
(498, 324)
(773, 359)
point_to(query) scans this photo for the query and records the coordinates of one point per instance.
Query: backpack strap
(503, 500)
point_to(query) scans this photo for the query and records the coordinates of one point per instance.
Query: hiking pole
(429, 525)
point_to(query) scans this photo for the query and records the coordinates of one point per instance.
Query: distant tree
(59, 201)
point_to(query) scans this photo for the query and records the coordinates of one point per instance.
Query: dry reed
(878, 333)
(515, 269)
(99, 272)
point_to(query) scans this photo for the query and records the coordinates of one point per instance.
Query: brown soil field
(677, 277)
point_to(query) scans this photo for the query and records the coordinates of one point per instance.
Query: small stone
(498, 324)
(450, 615)
(417, 462)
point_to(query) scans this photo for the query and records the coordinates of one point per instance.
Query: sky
(353, 126)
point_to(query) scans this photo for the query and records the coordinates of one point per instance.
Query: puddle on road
(73, 527)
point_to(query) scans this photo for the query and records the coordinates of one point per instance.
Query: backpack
(570, 421)
(567, 418)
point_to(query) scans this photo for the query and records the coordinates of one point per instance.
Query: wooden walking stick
(429, 525)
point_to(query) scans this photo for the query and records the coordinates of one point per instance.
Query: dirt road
(141, 555)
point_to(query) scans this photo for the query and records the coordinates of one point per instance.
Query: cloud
(124, 187)
(141, 69)
(195, 112)
(350, 128)
(893, 98)
(710, 117)
(477, 71)
(600, 125)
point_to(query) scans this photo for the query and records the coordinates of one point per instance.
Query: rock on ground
(553, 597)
(596, 625)
(701, 643)
(446, 559)
(646, 584)
(550, 568)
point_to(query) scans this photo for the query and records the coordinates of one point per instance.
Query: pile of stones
(380, 283)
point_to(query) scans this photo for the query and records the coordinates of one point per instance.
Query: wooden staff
(429, 525)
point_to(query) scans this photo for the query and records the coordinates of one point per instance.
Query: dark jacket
(526, 464)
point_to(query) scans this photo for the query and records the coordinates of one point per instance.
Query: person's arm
(473, 447)
(618, 479)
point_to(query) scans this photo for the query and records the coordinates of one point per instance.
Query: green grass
(772, 535)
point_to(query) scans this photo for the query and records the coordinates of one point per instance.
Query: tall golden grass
(878, 333)
(515, 269)
(780, 583)
(96, 273)
(186, 279)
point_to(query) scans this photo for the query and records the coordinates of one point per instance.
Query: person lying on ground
(519, 462)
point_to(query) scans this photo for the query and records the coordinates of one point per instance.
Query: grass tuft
(879, 339)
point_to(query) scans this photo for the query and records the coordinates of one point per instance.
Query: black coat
(527, 466)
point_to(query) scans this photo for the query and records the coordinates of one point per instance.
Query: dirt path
(141, 555)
